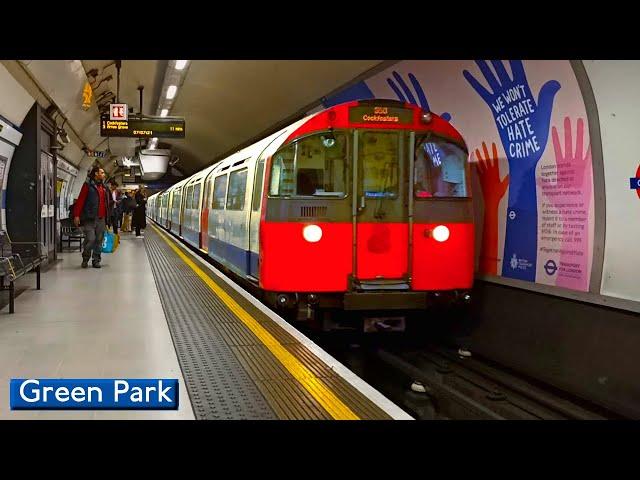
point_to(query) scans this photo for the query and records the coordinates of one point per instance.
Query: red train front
(367, 207)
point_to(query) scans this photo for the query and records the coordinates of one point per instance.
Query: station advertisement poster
(526, 128)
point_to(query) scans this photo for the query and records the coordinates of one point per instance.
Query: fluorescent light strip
(180, 64)
(164, 112)
(171, 91)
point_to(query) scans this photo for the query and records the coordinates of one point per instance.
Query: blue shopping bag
(109, 242)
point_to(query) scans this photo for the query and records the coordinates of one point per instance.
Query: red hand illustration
(571, 195)
(493, 189)
(572, 166)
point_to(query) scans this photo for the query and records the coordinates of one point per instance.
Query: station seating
(70, 233)
(18, 259)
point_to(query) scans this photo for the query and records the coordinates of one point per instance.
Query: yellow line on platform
(323, 394)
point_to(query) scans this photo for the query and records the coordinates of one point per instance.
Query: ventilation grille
(314, 211)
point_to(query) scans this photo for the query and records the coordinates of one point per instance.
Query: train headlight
(426, 117)
(312, 233)
(440, 233)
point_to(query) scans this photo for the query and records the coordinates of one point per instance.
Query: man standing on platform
(93, 212)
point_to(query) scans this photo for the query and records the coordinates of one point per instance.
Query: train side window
(189, 198)
(178, 202)
(207, 192)
(219, 192)
(196, 197)
(177, 196)
(440, 169)
(237, 190)
(257, 187)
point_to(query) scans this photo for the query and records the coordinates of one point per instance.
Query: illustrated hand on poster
(493, 189)
(406, 96)
(570, 199)
(572, 167)
(523, 125)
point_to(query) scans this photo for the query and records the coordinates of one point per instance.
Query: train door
(195, 215)
(181, 210)
(206, 204)
(380, 208)
(254, 221)
(170, 207)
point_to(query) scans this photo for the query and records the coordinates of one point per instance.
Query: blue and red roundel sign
(635, 182)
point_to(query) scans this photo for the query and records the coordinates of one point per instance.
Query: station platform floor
(157, 310)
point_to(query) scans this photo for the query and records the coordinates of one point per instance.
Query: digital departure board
(380, 114)
(146, 127)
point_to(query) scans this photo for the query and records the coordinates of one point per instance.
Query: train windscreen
(440, 169)
(313, 166)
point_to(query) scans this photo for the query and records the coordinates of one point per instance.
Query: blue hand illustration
(404, 94)
(523, 125)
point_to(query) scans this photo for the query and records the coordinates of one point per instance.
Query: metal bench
(14, 265)
(71, 232)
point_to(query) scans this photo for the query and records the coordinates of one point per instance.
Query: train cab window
(282, 172)
(440, 169)
(313, 166)
(219, 192)
(379, 154)
(237, 190)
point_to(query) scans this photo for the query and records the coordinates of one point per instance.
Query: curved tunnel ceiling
(227, 103)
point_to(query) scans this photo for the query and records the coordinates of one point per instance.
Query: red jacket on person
(103, 201)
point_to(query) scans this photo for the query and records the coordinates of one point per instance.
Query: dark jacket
(140, 213)
(128, 204)
(88, 203)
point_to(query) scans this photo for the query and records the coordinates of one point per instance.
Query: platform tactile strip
(218, 386)
(284, 395)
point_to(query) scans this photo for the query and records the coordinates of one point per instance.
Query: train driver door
(380, 207)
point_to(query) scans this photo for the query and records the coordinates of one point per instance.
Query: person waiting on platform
(128, 206)
(116, 206)
(93, 212)
(140, 213)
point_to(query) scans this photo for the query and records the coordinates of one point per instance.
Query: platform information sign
(145, 127)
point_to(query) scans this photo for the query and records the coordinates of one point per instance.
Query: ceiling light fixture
(164, 112)
(180, 64)
(171, 91)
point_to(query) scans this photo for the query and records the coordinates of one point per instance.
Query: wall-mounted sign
(380, 114)
(118, 111)
(146, 127)
(635, 182)
(96, 153)
(87, 95)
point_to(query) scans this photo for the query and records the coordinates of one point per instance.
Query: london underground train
(364, 207)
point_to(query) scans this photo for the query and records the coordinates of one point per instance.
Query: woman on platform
(140, 212)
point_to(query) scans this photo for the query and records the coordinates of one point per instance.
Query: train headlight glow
(440, 233)
(312, 233)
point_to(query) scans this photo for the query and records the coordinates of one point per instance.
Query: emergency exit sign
(118, 111)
